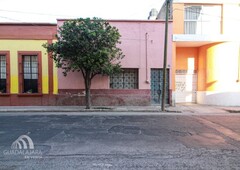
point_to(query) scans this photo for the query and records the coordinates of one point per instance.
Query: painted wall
(219, 80)
(25, 45)
(178, 18)
(74, 80)
(231, 19)
(174, 64)
(27, 31)
(202, 73)
(29, 37)
(142, 45)
(222, 66)
(187, 58)
(218, 68)
(217, 63)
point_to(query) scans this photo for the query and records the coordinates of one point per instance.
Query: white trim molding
(204, 38)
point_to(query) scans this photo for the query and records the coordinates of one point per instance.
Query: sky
(50, 10)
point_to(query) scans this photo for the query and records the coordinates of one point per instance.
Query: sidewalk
(179, 108)
(205, 109)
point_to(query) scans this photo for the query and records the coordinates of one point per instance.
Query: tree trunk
(88, 94)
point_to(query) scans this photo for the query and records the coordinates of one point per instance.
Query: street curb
(94, 110)
(88, 110)
(232, 111)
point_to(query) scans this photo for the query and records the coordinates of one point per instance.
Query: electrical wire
(35, 13)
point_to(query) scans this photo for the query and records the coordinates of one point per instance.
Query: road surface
(144, 141)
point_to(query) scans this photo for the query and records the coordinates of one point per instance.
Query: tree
(87, 45)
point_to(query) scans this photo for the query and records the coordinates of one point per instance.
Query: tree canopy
(87, 45)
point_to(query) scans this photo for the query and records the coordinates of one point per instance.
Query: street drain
(125, 129)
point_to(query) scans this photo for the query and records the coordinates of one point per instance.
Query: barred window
(30, 74)
(128, 79)
(3, 74)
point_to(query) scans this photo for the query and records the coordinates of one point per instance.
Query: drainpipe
(238, 78)
(165, 56)
(146, 49)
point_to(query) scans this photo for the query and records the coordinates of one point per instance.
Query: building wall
(25, 45)
(219, 80)
(185, 77)
(178, 18)
(174, 64)
(231, 20)
(142, 43)
(28, 38)
(216, 62)
(187, 58)
(218, 71)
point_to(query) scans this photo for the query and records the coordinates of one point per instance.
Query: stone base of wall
(27, 100)
(106, 97)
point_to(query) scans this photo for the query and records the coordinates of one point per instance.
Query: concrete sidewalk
(198, 108)
(179, 108)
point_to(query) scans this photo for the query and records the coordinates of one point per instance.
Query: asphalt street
(144, 141)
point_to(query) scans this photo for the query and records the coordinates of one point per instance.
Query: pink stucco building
(140, 83)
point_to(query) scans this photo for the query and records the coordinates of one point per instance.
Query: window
(3, 74)
(202, 19)
(30, 72)
(128, 79)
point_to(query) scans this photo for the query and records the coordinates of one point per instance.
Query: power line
(47, 14)
(219, 16)
(35, 13)
(9, 18)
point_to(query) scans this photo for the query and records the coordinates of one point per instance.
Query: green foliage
(87, 45)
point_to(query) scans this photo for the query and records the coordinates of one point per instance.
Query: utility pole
(165, 56)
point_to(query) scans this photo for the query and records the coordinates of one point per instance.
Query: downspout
(146, 50)
(238, 78)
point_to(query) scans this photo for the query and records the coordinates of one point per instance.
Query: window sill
(30, 94)
(4, 94)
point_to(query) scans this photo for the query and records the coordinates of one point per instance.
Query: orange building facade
(205, 51)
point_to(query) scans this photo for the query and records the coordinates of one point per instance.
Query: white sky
(49, 10)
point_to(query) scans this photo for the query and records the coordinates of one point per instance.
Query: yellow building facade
(28, 75)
